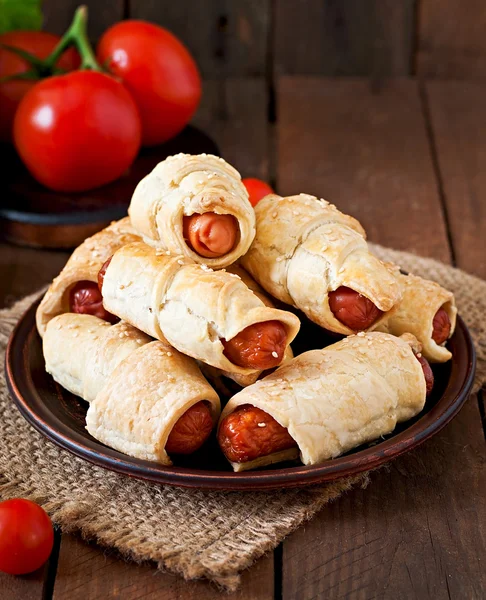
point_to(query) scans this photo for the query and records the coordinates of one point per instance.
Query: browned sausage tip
(353, 309)
(260, 346)
(209, 234)
(249, 433)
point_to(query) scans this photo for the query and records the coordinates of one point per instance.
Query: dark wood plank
(25, 587)
(418, 531)
(343, 37)
(450, 39)
(25, 270)
(58, 15)
(365, 150)
(234, 113)
(226, 37)
(86, 571)
(458, 115)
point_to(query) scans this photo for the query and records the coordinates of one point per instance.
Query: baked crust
(83, 265)
(185, 184)
(189, 305)
(305, 248)
(415, 314)
(244, 380)
(335, 399)
(137, 388)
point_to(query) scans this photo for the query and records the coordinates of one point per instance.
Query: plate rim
(288, 477)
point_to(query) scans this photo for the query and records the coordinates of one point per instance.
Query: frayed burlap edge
(188, 532)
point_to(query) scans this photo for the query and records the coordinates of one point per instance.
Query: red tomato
(77, 131)
(257, 189)
(38, 43)
(26, 536)
(159, 72)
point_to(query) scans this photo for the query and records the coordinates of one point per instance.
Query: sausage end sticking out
(191, 430)
(249, 432)
(441, 327)
(85, 298)
(353, 309)
(428, 374)
(260, 346)
(209, 234)
(101, 274)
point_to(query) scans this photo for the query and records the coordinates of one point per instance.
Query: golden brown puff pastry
(415, 314)
(190, 305)
(183, 185)
(83, 265)
(335, 399)
(211, 372)
(305, 248)
(137, 388)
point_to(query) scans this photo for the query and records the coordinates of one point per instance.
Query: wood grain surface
(458, 122)
(227, 38)
(450, 39)
(343, 37)
(366, 150)
(87, 571)
(58, 15)
(418, 530)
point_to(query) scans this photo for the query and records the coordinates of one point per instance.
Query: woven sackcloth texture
(192, 533)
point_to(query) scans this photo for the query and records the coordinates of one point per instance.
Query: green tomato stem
(33, 61)
(76, 35)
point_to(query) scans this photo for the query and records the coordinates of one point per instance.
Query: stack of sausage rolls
(195, 285)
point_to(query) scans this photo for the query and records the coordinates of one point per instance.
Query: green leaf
(20, 14)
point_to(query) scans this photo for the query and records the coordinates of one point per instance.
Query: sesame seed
(274, 354)
(169, 353)
(262, 424)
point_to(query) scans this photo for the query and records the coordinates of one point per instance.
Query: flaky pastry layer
(183, 185)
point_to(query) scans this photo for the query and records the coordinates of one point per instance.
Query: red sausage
(191, 430)
(210, 235)
(249, 432)
(260, 346)
(429, 376)
(85, 298)
(441, 327)
(353, 309)
(102, 272)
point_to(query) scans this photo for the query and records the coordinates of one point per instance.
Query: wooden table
(408, 160)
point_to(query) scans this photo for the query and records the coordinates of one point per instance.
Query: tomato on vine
(81, 130)
(39, 45)
(159, 72)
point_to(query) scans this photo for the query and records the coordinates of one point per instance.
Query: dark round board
(60, 416)
(32, 215)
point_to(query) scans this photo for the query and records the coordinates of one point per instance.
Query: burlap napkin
(193, 533)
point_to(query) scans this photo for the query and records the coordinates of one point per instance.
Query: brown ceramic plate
(60, 416)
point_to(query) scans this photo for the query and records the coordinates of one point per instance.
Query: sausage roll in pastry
(308, 254)
(75, 289)
(146, 399)
(325, 402)
(195, 206)
(209, 315)
(214, 374)
(426, 310)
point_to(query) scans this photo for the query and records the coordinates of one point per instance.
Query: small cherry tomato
(77, 131)
(38, 43)
(159, 72)
(257, 189)
(26, 536)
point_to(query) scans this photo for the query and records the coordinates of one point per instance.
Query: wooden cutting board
(32, 215)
